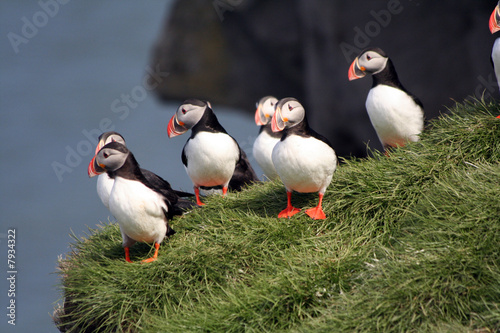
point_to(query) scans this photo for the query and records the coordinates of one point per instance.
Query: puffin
(141, 209)
(267, 139)
(304, 160)
(210, 156)
(495, 53)
(105, 182)
(395, 113)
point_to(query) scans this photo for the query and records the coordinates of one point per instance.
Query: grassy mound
(411, 243)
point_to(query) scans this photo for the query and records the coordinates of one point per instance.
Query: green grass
(411, 243)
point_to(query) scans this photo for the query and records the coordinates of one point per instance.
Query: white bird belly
(395, 116)
(104, 186)
(263, 151)
(211, 158)
(495, 57)
(304, 164)
(138, 210)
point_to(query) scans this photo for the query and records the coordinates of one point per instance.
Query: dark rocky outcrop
(233, 52)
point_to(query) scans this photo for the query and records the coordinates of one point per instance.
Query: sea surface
(68, 71)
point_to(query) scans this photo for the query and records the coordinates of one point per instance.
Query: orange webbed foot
(149, 260)
(288, 212)
(155, 255)
(316, 213)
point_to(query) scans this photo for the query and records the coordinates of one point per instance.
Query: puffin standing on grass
(395, 113)
(142, 211)
(105, 182)
(305, 160)
(495, 27)
(495, 53)
(267, 139)
(211, 156)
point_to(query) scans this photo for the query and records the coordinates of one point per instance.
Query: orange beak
(355, 71)
(99, 146)
(92, 169)
(277, 122)
(494, 20)
(260, 118)
(175, 127)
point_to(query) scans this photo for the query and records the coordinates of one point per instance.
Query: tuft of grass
(411, 243)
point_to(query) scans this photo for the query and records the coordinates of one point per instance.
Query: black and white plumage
(141, 210)
(494, 25)
(105, 182)
(211, 156)
(267, 139)
(395, 113)
(243, 173)
(305, 160)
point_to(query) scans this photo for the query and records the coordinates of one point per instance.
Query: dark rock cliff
(233, 52)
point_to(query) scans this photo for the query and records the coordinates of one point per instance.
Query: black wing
(170, 231)
(176, 205)
(243, 173)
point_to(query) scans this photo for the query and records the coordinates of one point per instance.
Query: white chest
(211, 158)
(394, 115)
(304, 164)
(262, 152)
(104, 186)
(495, 57)
(138, 210)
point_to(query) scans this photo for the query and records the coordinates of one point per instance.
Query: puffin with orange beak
(211, 156)
(395, 113)
(267, 139)
(141, 210)
(105, 182)
(495, 53)
(304, 160)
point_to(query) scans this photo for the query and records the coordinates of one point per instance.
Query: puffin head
(369, 61)
(111, 157)
(94, 169)
(187, 115)
(495, 19)
(265, 110)
(288, 113)
(108, 137)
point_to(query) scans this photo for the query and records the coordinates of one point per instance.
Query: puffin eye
(184, 111)
(290, 108)
(368, 57)
(106, 155)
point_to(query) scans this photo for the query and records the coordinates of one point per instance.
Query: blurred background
(71, 70)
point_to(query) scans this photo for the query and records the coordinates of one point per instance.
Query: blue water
(60, 85)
